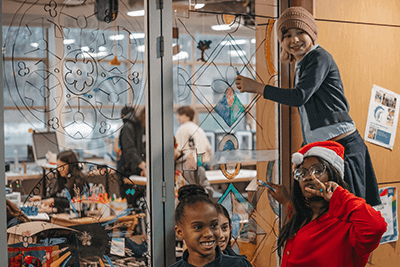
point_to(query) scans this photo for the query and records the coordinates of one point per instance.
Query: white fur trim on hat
(328, 155)
(297, 158)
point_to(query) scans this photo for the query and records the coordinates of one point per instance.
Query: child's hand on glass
(244, 84)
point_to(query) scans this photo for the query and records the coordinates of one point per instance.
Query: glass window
(28, 42)
(137, 47)
(223, 48)
(185, 43)
(182, 85)
(16, 132)
(212, 81)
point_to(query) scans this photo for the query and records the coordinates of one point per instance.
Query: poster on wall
(388, 209)
(382, 118)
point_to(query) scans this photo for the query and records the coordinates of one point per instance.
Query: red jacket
(343, 237)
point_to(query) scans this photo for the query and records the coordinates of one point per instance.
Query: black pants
(358, 170)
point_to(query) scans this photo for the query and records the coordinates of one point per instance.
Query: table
(13, 176)
(214, 176)
(64, 219)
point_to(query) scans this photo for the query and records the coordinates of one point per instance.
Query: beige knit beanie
(297, 17)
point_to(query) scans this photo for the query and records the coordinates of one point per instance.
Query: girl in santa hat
(328, 225)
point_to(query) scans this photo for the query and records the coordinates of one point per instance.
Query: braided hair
(188, 196)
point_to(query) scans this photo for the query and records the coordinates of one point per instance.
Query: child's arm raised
(248, 85)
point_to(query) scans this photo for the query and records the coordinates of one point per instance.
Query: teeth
(208, 243)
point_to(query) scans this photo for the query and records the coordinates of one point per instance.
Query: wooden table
(64, 219)
(13, 176)
(215, 177)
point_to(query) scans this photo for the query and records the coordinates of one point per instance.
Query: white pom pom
(297, 158)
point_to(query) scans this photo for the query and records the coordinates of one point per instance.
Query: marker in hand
(237, 72)
(264, 184)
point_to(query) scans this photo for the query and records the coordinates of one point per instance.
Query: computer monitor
(42, 143)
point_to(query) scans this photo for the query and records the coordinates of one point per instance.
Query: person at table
(327, 225)
(70, 182)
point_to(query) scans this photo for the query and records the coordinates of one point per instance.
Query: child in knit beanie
(319, 96)
(296, 18)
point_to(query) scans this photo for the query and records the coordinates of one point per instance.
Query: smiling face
(297, 42)
(200, 230)
(62, 168)
(307, 181)
(225, 231)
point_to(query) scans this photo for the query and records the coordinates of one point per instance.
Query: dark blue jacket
(319, 88)
(221, 260)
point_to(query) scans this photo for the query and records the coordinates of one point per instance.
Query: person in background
(183, 176)
(190, 135)
(132, 160)
(15, 216)
(70, 181)
(197, 223)
(318, 93)
(132, 143)
(328, 225)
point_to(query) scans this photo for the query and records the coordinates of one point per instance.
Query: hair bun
(191, 190)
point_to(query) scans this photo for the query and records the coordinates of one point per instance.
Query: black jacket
(133, 149)
(221, 260)
(319, 89)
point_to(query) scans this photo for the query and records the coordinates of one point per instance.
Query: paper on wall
(388, 210)
(382, 118)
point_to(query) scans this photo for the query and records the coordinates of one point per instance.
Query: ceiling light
(198, 6)
(69, 41)
(253, 41)
(73, 2)
(102, 48)
(35, 45)
(223, 27)
(141, 48)
(234, 42)
(85, 48)
(116, 37)
(238, 53)
(137, 35)
(100, 54)
(137, 13)
(180, 56)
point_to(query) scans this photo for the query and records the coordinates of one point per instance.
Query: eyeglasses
(317, 170)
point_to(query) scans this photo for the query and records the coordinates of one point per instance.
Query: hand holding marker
(264, 184)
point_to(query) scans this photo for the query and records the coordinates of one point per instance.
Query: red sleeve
(368, 225)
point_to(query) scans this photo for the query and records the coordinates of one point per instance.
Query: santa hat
(330, 151)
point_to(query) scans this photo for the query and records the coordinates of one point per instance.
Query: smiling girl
(319, 96)
(329, 226)
(197, 223)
